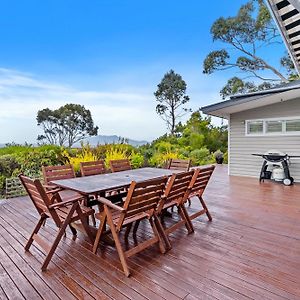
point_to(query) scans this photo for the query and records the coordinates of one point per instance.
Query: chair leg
(127, 231)
(85, 224)
(74, 231)
(189, 201)
(162, 232)
(184, 215)
(93, 220)
(59, 236)
(99, 234)
(86, 203)
(161, 244)
(205, 207)
(35, 231)
(135, 228)
(117, 241)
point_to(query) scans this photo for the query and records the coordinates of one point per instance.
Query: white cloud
(22, 95)
(128, 114)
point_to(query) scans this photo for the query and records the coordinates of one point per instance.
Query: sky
(108, 55)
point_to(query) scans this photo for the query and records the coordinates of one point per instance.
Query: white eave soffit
(286, 14)
(225, 112)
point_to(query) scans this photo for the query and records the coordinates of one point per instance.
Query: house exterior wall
(241, 147)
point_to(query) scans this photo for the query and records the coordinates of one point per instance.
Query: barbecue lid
(274, 152)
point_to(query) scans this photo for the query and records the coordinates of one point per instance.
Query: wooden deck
(251, 249)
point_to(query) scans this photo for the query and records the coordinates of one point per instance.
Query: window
(274, 126)
(278, 126)
(293, 125)
(255, 127)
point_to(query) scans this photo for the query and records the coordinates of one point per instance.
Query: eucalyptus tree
(171, 97)
(248, 39)
(66, 125)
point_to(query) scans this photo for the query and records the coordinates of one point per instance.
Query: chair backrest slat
(118, 165)
(148, 194)
(143, 202)
(180, 185)
(142, 197)
(51, 173)
(177, 188)
(92, 168)
(179, 164)
(144, 208)
(39, 197)
(201, 179)
(36, 193)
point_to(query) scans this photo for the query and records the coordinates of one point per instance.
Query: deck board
(251, 250)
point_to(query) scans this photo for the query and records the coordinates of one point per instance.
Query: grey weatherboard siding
(242, 163)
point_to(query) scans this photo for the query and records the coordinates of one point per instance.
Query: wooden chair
(180, 164)
(51, 173)
(141, 203)
(120, 165)
(92, 168)
(63, 213)
(176, 194)
(197, 187)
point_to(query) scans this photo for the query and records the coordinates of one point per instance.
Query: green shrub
(100, 151)
(196, 140)
(160, 159)
(76, 156)
(163, 147)
(115, 153)
(136, 160)
(8, 164)
(201, 157)
(2, 185)
(31, 162)
(15, 149)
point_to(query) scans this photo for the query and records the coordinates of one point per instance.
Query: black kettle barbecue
(278, 160)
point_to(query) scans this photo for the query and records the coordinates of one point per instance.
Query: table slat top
(103, 182)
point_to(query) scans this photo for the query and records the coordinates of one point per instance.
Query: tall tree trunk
(173, 121)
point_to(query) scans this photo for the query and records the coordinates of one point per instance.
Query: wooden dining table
(96, 184)
(100, 184)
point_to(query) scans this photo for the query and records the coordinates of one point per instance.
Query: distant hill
(110, 139)
(102, 140)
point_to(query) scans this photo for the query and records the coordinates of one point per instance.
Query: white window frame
(265, 133)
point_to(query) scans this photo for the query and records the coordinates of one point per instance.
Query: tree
(199, 132)
(245, 36)
(66, 125)
(171, 95)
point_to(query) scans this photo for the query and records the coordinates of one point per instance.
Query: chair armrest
(67, 202)
(51, 186)
(110, 204)
(53, 191)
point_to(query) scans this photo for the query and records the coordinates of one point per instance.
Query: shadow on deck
(251, 249)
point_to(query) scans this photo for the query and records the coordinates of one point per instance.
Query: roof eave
(226, 108)
(282, 30)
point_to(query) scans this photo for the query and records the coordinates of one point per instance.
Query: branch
(262, 78)
(266, 65)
